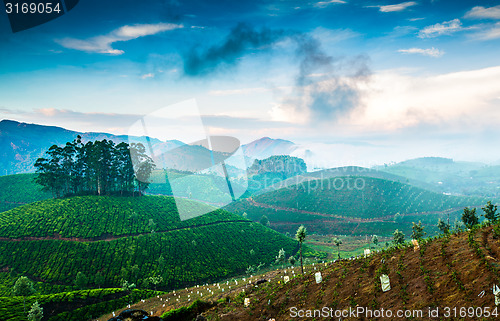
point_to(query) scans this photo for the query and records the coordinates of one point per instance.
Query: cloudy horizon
(380, 80)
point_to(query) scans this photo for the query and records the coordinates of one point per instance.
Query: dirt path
(20, 203)
(288, 209)
(106, 238)
(352, 219)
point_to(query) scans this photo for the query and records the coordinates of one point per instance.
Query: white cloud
(323, 4)
(489, 34)
(396, 7)
(396, 101)
(484, 13)
(102, 44)
(439, 29)
(146, 76)
(431, 52)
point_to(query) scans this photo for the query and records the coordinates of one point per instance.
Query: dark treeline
(99, 167)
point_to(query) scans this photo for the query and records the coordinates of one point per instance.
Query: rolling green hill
(352, 205)
(93, 217)
(111, 239)
(344, 171)
(18, 190)
(447, 175)
(206, 187)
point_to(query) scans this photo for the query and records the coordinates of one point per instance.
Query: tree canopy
(301, 236)
(469, 217)
(443, 226)
(98, 167)
(399, 237)
(418, 231)
(23, 287)
(36, 312)
(490, 212)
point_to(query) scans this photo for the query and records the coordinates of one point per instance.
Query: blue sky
(375, 81)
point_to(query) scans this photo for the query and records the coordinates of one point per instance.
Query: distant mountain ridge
(449, 176)
(266, 147)
(22, 143)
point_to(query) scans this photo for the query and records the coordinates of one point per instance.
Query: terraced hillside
(352, 205)
(95, 217)
(451, 275)
(112, 239)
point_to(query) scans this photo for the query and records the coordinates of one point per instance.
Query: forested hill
(99, 167)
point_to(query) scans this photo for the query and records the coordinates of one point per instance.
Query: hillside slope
(351, 205)
(451, 275)
(92, 217)
(265, 147)
(450, 272)
(73, 306)
(347, 171)
(111, 239)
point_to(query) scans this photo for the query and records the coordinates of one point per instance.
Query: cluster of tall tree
(98, 167)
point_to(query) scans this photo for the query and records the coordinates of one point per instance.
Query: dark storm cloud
(311, 57)
(241, 39)
(328, 87)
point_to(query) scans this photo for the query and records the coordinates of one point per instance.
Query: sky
(355, 82)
